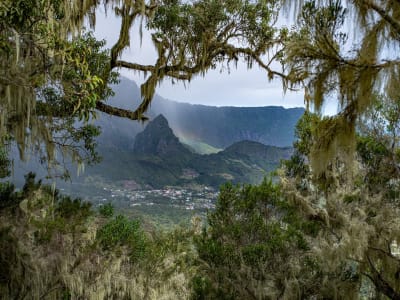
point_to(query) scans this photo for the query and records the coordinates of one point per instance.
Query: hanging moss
(320, 57)
(51, 251)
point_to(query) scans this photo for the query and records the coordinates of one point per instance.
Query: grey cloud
(240, 87)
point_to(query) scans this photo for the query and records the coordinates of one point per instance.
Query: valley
(165, 182)
(171, 167)
(165, 207)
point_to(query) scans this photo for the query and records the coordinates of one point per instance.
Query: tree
(254, 248)
(353, 155)
(48, 80)
(358, 218)
(335, 236)
(54, 72)
(43, 47)
(343, 50)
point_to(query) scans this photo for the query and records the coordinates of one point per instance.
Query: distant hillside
(158, 159)
(204, 128)
(265, 156)
(223, 126)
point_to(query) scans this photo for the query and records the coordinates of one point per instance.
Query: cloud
(239, 87)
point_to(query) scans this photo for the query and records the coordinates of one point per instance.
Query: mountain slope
(159, 159)
(223, 126)
(158, 139)
(217, 127)
(205, 129)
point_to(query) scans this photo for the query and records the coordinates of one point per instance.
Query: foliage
(50, 49)
(343, 51)
(65, 215)
(51, 250)
(11, 198)
(328, 237)
(123, 232)
(30, 185)
(107, 210)
(72, 209)
(333, 222)
(49, 78)
(254, 239)
(297, 165)
(5, 162)
(53, 71)
(8, 197)
(358, 211)
(378, 143)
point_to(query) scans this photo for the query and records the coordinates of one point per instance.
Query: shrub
(8, 196)
(123, 232)
(73, 208)
(254, 239)
(107, 210)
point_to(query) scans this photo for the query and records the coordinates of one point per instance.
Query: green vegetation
(106, 210)
(199, 147)
(121, 231)
(254, 240)
(342, 50)
(267, 241)
(54, 72)
(329, 229)
(52, 246)
(309, 236)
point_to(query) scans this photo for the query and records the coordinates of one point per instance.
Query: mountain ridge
(218, 127)
(119, 143)
(158, 159)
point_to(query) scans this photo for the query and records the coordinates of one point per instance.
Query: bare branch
(134, 66)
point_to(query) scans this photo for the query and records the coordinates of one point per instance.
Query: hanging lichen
(335, 63)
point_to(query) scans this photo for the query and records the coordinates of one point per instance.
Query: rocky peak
(158, 139)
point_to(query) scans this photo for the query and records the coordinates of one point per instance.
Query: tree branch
(385, 253)
(382, 285)
(134, 66)
(383, 13)
(120, 112)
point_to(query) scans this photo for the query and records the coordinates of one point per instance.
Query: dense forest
(327, 228)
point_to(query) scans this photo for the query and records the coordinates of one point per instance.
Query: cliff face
(215, 126)
(223, 126)
(159, 159)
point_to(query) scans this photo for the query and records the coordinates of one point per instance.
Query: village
(175, 197)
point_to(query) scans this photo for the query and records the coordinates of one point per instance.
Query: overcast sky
(240, 87)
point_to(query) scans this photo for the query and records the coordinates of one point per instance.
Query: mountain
(158, 139)
(204, 128)
(223, 126)
(266, 156)
(163, 151)
(158, 159)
